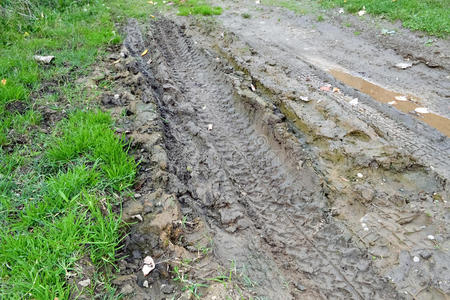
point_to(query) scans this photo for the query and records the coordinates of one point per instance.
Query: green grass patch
(197, 7)
(59, 186)
(61, 209)
(431, 16)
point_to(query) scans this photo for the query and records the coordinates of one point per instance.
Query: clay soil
(263, 176)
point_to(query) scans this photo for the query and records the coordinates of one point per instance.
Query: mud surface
(248, 164)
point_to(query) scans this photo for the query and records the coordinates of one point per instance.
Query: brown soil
(250, 168)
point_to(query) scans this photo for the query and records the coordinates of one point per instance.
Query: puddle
(385, 96)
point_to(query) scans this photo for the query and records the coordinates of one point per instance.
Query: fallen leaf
(403, 65)
(152, 16)
(145, 52)
(3, 81)
(325, 88)
(422, 110)
(336, 90)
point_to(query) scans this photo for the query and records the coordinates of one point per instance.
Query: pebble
(416, 259)
(85, 283)
(360, 175)
(430, 237)
(167, 288)
(145, 284)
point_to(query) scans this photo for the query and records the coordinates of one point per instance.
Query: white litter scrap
(401, 98)
(392, 102)
(341, 10)
(360, 175)
(416, 259)
(430, 237)
(44, 59)
(149, 265)
(422, 110)
(362, 12)
(354, 102)
(210, 127)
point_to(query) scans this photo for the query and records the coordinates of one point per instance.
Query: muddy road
(251, 168)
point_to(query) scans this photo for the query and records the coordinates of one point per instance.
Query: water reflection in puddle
(389, 97)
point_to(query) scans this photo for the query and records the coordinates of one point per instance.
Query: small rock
(167, 288)
(403, 65)
(85, 283)
(416, 259)
(210, 127)
(430, 237)
(300, 287)
(145, 284)
(360, 175)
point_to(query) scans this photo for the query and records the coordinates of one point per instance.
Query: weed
(357, 33)
(320, 18)
(187, 284)
(246, 15)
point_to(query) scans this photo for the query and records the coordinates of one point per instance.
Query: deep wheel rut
(266, 211)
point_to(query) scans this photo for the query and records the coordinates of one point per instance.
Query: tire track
(255, 190)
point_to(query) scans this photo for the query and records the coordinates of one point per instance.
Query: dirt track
(313, 198)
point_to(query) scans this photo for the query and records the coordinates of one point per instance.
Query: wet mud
(403, 103)
(247, 164)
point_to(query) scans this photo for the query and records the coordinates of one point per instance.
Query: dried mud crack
(228, 167)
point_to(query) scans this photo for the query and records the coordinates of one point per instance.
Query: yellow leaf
(3, 81)
(152, 16)
(25, 34)
(145, 52)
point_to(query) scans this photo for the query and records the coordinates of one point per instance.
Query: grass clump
(197, 7)
(431, 16)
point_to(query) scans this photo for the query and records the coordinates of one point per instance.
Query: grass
(60, 184)
(197, 7)
(431, 16)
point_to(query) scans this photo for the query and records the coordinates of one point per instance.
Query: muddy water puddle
(400, 101)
